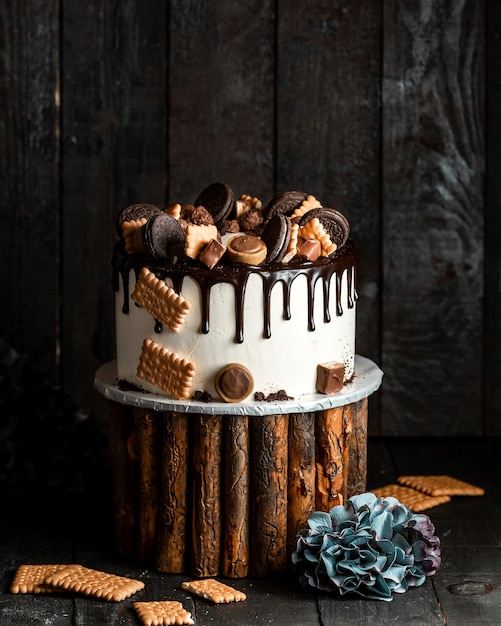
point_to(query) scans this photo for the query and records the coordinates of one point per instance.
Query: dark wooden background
(386, 110)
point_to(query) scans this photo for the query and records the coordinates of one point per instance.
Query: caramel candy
(212, 253)
(234, 382)
(309, 249)
(330, 377)
(247, 249)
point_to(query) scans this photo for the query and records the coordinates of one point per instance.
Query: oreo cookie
(277, 235)
(284, 203)
(135, 212)
(335, 224)
(160, 233)
(218, 199)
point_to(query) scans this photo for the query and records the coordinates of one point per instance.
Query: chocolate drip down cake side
(238, 405)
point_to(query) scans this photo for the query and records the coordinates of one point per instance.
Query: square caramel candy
(212, 253)
(309, 249)
(330, 377)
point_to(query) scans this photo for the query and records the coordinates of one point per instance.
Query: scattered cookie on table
(162, 613)
(213, 590)
(90, 582)
(441, 485)
(412, 498)
(31, 578)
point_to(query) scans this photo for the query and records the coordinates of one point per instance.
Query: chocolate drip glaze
(238, 274)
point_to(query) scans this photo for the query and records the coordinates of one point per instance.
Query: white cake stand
(366, 381)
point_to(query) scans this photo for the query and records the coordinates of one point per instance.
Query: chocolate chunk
(308, 249)
(335, 224)
(276, 235)
(201, 216)
(251, 220)
(160, 233)
(234, 382)
(212, 253)
(284, 203)
(218, 199)
(330, 377)
(228, 226)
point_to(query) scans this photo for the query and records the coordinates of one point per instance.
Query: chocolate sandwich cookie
(284, 203)
(335, 224)
(218, 199)
(160, 233)
(276, 235)
(135, 212)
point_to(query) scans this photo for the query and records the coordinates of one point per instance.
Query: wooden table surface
(77, 527)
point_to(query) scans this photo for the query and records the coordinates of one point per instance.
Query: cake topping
(330, 377)
(173, 210)
(276, 235)
(201, 216)
(247, 249)
(251, 220)
(234, 383)
(135, 212)
(218, 199)
(212, 253)
(129, 229)
(313, 229)
(161, 302)
(308, 249)
(197, 237)
(306, 205)
(334, 223)
(302, 243)
(159, 233)
(246, 203)
(246, 243)
(284, 203)
(165, 370)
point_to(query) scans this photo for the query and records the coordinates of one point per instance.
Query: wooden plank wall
(387, 110)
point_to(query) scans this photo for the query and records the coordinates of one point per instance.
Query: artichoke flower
(371, 546)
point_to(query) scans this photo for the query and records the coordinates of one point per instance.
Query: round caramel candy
(247, 249)
(234, 382)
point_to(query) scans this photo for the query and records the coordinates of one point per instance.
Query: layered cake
(232, 299)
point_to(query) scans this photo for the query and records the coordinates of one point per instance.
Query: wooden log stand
(219, 490)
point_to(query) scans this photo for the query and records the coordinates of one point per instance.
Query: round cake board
(366, 380)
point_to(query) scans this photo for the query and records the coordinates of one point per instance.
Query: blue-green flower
(371, 546)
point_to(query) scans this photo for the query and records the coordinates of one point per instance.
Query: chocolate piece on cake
(218, 199)
(308, 249)
(330, 377)
(212, 253)
(284, 203)
(234, 383)
(276, 235)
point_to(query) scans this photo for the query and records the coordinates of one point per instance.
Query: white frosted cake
(235, 301)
